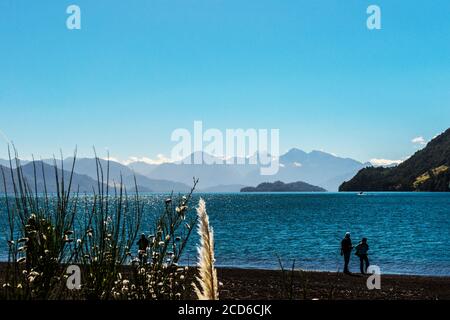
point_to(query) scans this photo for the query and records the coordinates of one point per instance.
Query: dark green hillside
(427, 170)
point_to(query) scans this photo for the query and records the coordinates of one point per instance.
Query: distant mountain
(142, 168)
(427, 170)
(279, 186)
(86, 175)
(6, 163)
(83, 182)
(117, 171)
(209, 175)
(316, 167)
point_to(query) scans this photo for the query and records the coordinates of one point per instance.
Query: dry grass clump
(161, 278)
(40, 231)
(97, 232)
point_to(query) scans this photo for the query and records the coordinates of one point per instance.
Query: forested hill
(427, 170)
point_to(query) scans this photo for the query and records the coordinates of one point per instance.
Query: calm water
(408, 233)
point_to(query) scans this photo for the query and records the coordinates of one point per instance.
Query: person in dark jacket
(143, 245)
(361, 252)
(346, 250)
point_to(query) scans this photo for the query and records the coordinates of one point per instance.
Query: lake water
(408, 233)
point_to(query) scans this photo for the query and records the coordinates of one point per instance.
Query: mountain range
(427, 170)
(40, 170)
(316, 168)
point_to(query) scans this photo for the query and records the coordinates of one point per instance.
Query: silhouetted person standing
(143, 245)
(361, 252)
(346, 250)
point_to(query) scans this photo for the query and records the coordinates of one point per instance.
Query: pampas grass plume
(208, 288)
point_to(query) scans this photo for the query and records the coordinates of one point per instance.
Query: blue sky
(137, 70)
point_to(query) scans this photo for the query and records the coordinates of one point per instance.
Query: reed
(287, 280)
(39, 233)
(208, 288)
(109, 229)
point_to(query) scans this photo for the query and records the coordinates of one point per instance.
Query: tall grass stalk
(111, 223)
(208, 284)
(287, 280)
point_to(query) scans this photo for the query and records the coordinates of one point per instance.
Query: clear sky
(137, 70)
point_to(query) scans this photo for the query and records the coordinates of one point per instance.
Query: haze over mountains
(118, 171)
(82, 183)
(85, 176)
(316, 168)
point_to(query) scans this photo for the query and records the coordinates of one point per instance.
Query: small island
(280, 186)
